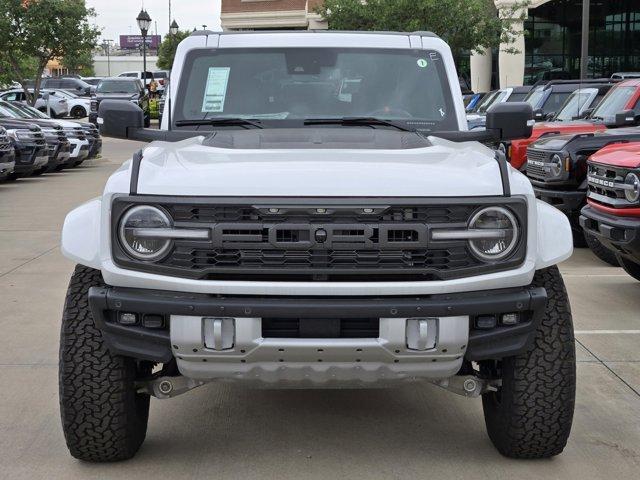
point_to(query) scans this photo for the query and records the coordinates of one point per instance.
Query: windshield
(614, 102)
(285, 86)
(117, 86)
(496, 98)
(535, 97)
(575, 104)
(9, 111)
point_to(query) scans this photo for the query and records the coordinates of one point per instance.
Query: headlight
(133, 238)
(498, 229)
(555, 167)
(632, 187)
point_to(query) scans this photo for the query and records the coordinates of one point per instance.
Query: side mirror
(586, 114)
(625, 118)
(510, 120)
(116, 117)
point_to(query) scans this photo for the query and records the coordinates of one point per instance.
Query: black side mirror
(625, 118)
(584, 114)
(116, 117)
(510, 120)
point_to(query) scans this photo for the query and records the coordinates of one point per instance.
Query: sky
(118, 17)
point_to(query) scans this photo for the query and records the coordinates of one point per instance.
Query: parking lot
(224, 431)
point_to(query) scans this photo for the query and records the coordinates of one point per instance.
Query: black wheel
(78, 112)
(630, 267)
(104, 419)
(530, 415)
(600, 251)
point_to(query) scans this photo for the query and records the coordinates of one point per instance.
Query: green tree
(464, 24)
(42, 30)
(167, 50)
(80, 63)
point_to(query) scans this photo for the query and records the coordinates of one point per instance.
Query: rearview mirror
(625, 118)
(510, 120)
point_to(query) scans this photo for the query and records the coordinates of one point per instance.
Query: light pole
(144, 22)
(173, 28)
(106, 45)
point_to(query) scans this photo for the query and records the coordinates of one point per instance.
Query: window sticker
(422, 62)
(216, 89)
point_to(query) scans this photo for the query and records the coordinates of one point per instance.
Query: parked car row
(587, 164)
(31, 143)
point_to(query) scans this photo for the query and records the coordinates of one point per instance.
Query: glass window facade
(553, 34)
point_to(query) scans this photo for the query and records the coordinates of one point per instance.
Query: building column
(481, 65)
(511, 65)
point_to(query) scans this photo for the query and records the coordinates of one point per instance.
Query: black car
(30, 147)
(120, 88)
(557, 168)
(7, 155)
(70, 84)
(58, 147)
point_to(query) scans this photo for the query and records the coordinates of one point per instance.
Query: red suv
(613, 210)
(621, 98)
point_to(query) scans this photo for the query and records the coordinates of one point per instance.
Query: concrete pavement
(222, 431)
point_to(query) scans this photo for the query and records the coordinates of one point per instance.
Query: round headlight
(137, 244)
(632, 192)
(556, 165)
(501, 236)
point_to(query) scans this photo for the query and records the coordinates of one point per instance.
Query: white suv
(316, 214)
(57, 103)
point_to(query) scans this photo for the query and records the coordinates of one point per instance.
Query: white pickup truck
(314, 213)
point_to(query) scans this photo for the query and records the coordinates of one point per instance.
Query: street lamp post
(144, 22)
(173, 28)
(106, 45)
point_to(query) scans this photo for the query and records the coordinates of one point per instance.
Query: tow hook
(469, 385)
(168, 387)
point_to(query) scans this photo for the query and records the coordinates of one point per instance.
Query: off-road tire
(600, 251)
(530, 415)
(630, 267)
(103, 418)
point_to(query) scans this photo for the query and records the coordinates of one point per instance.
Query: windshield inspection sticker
(422, 63)
(216, 89)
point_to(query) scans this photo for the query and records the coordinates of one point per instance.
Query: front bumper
(79, 151)
(618, 233)
(339, 359)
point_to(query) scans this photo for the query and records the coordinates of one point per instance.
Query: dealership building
(549, 45)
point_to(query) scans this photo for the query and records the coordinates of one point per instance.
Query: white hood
(446, 169)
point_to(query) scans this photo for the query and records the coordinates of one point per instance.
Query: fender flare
(555, 238)
(81, 234)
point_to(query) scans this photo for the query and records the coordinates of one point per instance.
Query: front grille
(605, 184)
(364, 241)
(320, 327)
(534, 158)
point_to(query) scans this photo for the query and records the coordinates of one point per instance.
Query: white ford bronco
(313, 213)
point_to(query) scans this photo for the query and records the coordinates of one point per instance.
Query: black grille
(320, 327)
(534, 156)
(242, 213)
(323, 241)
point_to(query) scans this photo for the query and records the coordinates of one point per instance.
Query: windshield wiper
(240, 122)
(364, 121)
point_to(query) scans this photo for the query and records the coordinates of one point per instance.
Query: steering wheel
(394, 112)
